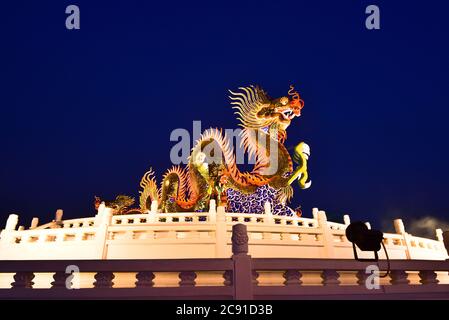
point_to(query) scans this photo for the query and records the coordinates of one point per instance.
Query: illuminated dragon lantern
(212, 171)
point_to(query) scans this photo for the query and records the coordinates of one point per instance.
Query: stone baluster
(255, 278)
(330, 278)
(428, 277)
(347, 220)
(286, 236)
(187, 279)
(361, 276)
(267, 236)
(292, 278)
(399, 277)
(59, 279)
(227, 276)
(103, 279)
(145, 279)
(23, 280)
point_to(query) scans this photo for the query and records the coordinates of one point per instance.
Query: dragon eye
(283, 101)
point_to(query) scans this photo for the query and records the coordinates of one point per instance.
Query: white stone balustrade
(153, 235)
(238, 276)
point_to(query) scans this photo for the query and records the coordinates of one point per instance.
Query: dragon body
(212, 171)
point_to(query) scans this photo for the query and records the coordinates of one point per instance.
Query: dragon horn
(296, 100)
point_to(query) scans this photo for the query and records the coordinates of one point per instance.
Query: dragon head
(288, 108)
(256, 110)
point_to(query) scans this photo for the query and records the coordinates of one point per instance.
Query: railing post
(400, 229)
(446, 240)
(242, 273)
(212, 211)
(220, 233)
(34, 223)
(268, 218)
(315, 213)
(11, 224)
(328, 238)
(399, 226)
(153, 211)
(154, 205)
(439, 234)
(12, 221)
(102, 222)
(58, 218)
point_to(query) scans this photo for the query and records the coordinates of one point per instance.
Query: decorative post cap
(439, 234)
(267, 207)
(58, 215)
(321, 215)
(34, 223)
(12, 221)
(315, 213)
(239, 239)
(154, 206)
(399, 226)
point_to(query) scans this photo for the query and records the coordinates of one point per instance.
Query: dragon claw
(307, 185)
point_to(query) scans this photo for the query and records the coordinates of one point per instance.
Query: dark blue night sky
(87, 112)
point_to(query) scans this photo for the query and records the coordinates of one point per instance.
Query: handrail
(117, 265)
